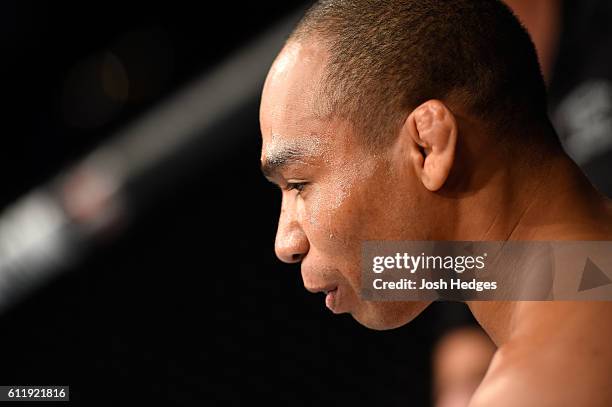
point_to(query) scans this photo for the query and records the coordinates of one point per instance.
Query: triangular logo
(592, 277)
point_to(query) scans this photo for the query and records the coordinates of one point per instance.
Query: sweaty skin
(444, 177)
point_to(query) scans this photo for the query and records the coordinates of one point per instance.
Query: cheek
(332, 220)
(335, 208)
(320, 215)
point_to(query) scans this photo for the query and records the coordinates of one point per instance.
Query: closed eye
(299, 186)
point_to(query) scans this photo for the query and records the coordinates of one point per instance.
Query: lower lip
(332, 301)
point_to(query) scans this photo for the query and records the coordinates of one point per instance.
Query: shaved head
(387, 57)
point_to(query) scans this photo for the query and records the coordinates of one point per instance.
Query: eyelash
(298, 186)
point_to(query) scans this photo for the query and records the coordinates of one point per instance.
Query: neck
(492, 188)
(549, 199)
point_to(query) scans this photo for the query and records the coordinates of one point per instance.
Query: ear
(431, 131)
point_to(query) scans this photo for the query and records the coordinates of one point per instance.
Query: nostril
(291, 244)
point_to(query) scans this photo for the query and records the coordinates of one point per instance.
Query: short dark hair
(389, 56)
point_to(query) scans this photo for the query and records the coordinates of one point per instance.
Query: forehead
(288, 103)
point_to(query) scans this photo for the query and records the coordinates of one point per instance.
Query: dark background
(189, 304)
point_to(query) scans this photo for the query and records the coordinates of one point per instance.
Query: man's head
(364, 115)
(387, 57)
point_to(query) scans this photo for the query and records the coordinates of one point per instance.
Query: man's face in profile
(336, 192)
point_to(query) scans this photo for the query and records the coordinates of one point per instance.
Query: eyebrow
(282, 158)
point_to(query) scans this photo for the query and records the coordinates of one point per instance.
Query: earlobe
(432, 131)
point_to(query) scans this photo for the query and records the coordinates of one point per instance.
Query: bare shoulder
(567, 367)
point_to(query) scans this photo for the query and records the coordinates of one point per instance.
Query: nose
(291, 243)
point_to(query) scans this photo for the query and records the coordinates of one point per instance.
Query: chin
(385, 315)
